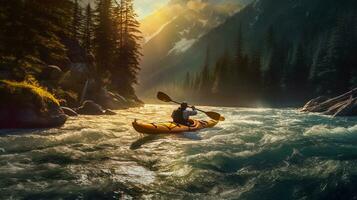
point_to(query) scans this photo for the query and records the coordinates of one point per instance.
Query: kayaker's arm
(188, 113)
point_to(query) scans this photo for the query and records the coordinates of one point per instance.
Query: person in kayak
(182, 116)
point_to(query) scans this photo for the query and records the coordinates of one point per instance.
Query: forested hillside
(89, 48)
(273, 52)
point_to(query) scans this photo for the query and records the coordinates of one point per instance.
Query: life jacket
(177, 117)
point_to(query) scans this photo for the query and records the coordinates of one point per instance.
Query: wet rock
(343, 105)
(109, 112)
(51, 72)
(90, 108)
(112, 100)
(69, 111)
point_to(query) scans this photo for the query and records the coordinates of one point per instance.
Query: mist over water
(254, 154)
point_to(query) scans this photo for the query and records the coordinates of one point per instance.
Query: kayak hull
(171, 127)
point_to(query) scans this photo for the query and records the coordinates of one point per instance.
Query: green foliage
(77, 17)
(88, 29)
(30, 35)
(116, 44)
(286, 70)
(36, 33)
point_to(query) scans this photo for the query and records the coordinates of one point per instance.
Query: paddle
(213, 115)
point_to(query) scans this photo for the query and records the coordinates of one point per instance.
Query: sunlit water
(254, 154)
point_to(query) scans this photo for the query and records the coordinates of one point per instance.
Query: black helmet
(184, 105)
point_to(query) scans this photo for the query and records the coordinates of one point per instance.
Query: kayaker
(182, 116)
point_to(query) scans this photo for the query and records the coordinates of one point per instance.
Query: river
(254, 154)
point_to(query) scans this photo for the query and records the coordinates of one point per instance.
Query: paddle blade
(215, 116)
(163, 97)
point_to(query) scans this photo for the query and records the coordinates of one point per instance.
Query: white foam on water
(255, 122)
(326, 130)
(245, 153)
(269, 138)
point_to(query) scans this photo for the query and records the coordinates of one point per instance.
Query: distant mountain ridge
(174, 29)
(293, 22)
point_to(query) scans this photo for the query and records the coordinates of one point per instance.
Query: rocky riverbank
(27, 105)
(344, 105)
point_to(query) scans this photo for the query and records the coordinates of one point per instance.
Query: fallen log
(324, 106)
(343, 105)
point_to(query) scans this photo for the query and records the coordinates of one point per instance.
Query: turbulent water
(254, 154)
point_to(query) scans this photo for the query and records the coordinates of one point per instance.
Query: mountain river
(255, 154)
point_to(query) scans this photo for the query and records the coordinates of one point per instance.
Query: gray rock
(51, 72)
(90, 108)
(109, 112)
(29, 118)
(69, 111)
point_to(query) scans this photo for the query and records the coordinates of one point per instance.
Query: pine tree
(205, 85)
(31, 35)
(88, 29)
(103, 42)
(277, 62)
(239, 71)
(239, 47)
(329, 68)
(128, 37)
(255, 76)
(222, 76)
(320, 65)
(187, 81)
(298, 77)
(76, 20)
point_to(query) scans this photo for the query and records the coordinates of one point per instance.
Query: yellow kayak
(171, 127)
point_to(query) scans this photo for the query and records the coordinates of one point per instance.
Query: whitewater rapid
(254, 154)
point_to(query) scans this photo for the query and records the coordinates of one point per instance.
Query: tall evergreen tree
(205, 83)
(76, 20)
(128, 37)
(88, 29)
(187, 81)
(240, 71)
(254, 74)
(298, 76)
(222, 75)
(103, 42)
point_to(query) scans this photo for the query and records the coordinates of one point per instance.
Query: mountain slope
(292, 22)
(174, 29)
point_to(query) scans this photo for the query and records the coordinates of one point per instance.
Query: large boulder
(24, 105)
(112, 100)
(90, 108)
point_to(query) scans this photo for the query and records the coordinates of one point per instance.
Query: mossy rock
(26, 105)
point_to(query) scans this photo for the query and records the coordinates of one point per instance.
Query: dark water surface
(254, 154)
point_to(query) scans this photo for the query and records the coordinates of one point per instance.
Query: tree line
(35, 33)
(281, 70)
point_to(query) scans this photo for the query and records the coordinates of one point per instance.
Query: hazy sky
(145, 7)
